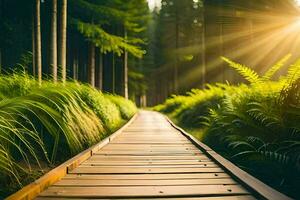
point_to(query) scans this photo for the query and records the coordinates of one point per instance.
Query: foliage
(253, 77)
(48, 124)
(103, 107)
(16, 85)
(249, 74)
(106, 42)
(127, 108)
(137, 83)
(97, 21)
(256, 126)
(270, 73)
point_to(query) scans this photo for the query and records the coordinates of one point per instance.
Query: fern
(293, 73)
(270, 73)
(248, 73)
(255, 146)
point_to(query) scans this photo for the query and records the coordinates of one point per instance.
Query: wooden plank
(142, 170)
(137, 163)
(140, 147)
(155, 138)
(146, 149)
(149, 153)
(154, 149)
(163, 182)
(239, 197)
(144, 191)
(142, 151)
(149, 129)
(152, 135)
(199, 165)
(149, 142)
(176, 176)
(154, 157)
(172, 132)
(165, 141)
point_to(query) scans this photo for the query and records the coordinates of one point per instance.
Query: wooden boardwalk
(149, 159)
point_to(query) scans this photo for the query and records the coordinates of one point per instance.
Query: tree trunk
(100, 71)
(221, 41)
(0, 61)
(91, 65)
(53, 41)
(37, 40)
(75, 61)
(33, 47)
(75, 67)
(1, 18)
(113, 74)
(203, 49)
(63, 40)
(125, 70)
(176, 49)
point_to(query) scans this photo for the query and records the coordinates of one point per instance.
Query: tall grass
(127, 108)
(255, 125)
(43, 126)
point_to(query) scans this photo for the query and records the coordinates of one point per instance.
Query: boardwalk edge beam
(259, 188)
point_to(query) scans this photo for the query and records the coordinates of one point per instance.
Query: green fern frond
(293, 73)
(255, 141)
(242, 144)
(244, 155)
(270, 73)
(248, 73)
(276, 157)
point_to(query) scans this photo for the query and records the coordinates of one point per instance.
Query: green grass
(256, 125)
(41, 127)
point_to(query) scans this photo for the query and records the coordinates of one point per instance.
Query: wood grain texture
(144, 191)
(147, 176)
(164, 182)
(235, 197)
(152, 159)
(149, 159)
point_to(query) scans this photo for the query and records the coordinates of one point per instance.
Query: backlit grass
(43, 126)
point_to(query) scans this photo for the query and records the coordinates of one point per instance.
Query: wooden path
(151, 159)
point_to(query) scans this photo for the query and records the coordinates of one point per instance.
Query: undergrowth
(255, 125)
(42, 126)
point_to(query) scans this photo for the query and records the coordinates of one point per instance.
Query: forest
(72, 72)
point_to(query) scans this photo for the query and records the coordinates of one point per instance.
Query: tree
(63, 40)
(100, 69)
(125, 70)
(91, 64)
(33, 44)
(98, 22)
(53, 41)
(134, 23)
(37, 41)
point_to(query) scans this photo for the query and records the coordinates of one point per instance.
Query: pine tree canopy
(99, 23)
(108, 42)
